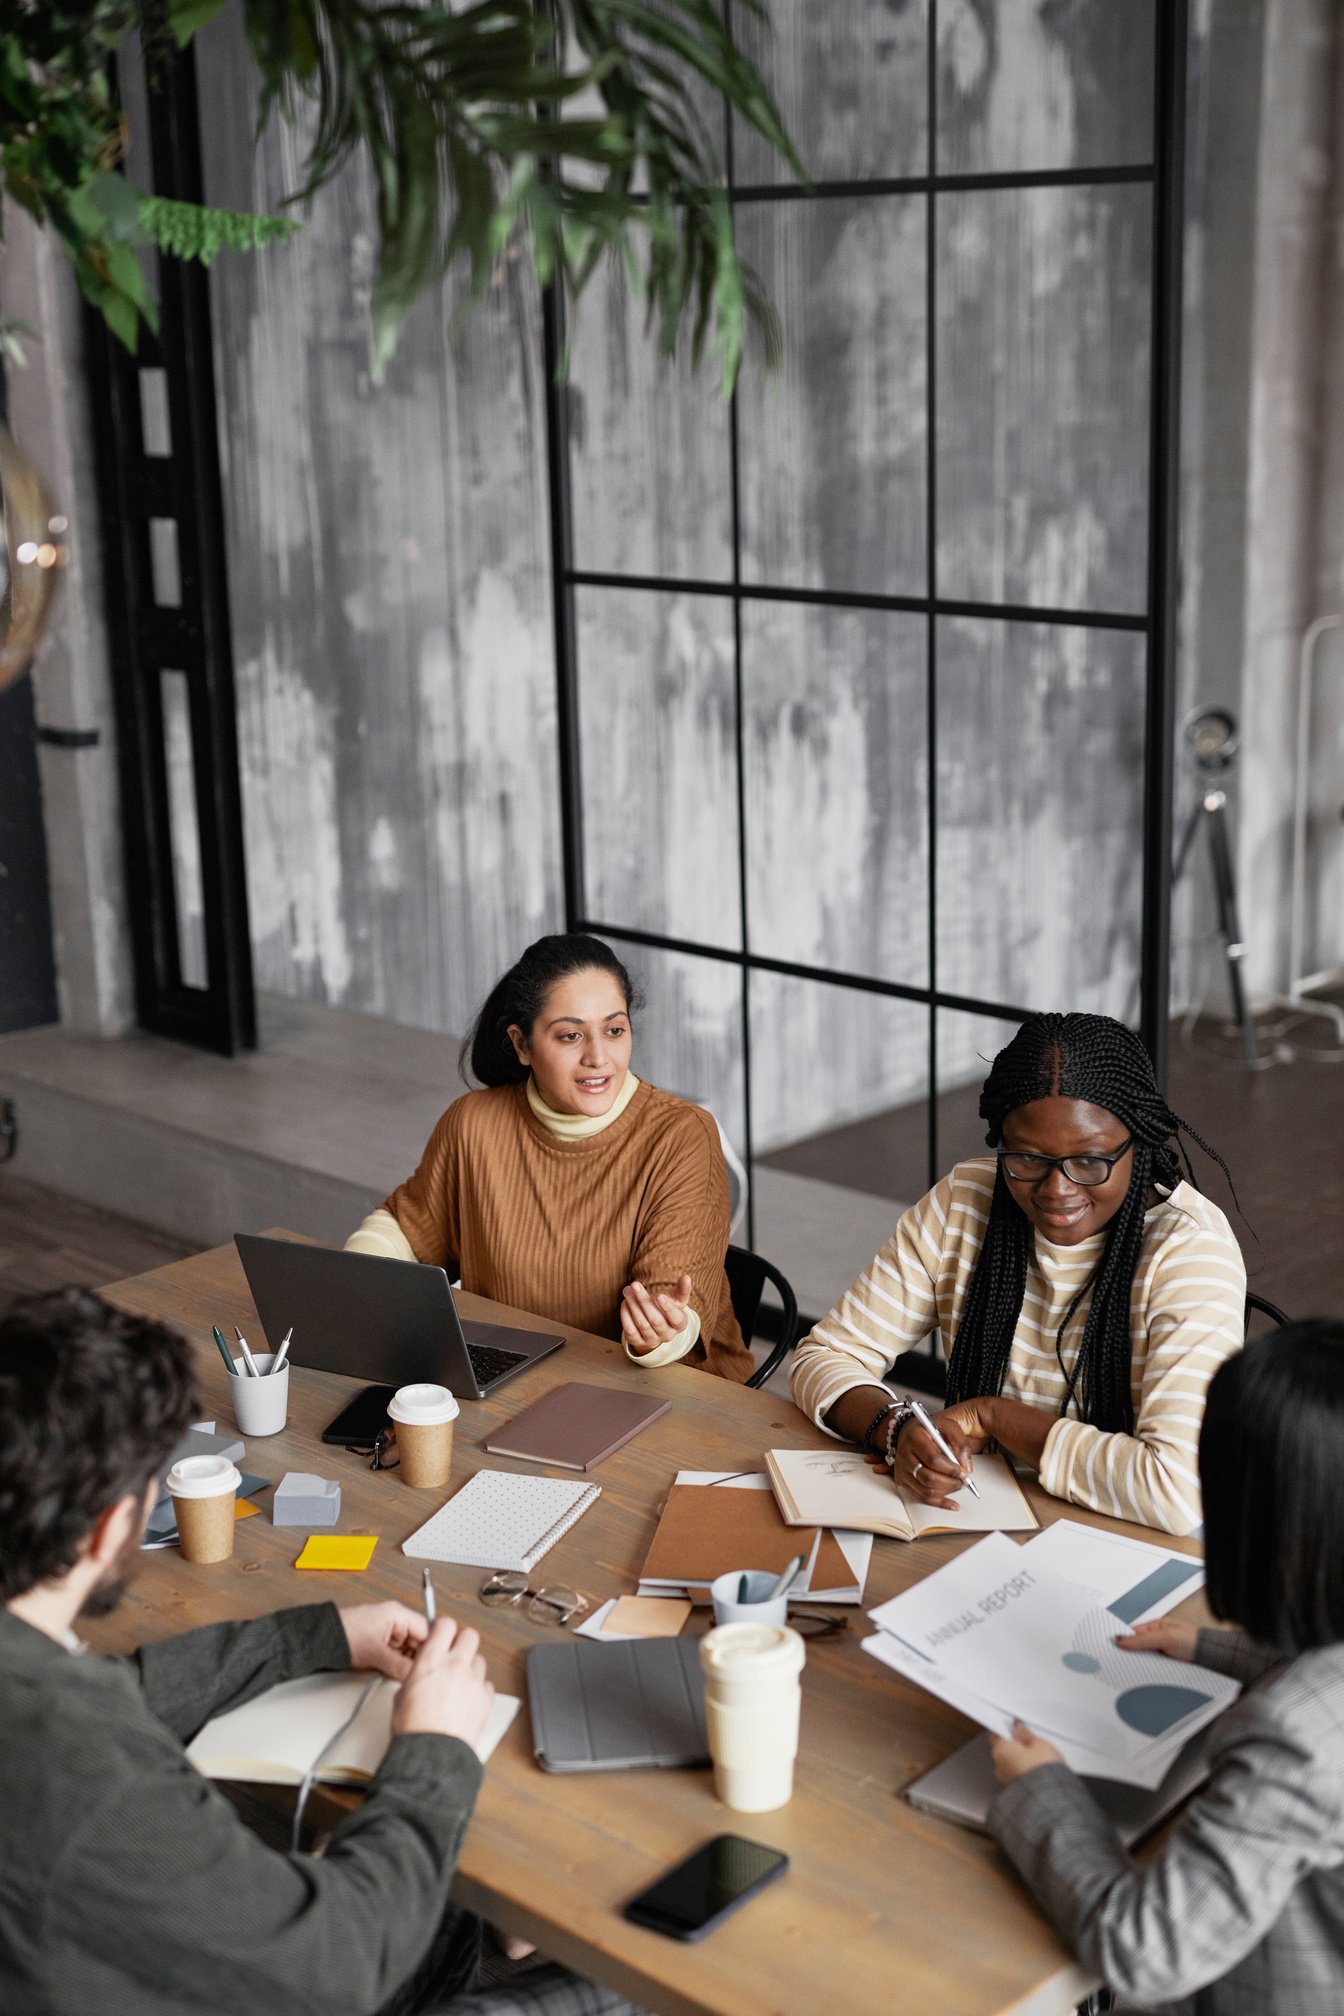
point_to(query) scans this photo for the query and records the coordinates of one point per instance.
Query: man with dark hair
(128, 1886)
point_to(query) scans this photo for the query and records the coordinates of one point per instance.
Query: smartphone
(359, 1425)
(704, 1889)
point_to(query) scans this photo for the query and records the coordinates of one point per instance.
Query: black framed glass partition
(865, 676)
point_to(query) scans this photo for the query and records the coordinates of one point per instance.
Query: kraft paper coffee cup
(204, 1490)
(753, 1693)
(424, 1417)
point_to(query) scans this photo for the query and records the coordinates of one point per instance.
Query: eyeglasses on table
(508, 1589)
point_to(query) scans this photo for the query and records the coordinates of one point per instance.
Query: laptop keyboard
(488, 1363)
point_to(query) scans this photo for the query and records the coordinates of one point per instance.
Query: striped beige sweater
(1187, 1313)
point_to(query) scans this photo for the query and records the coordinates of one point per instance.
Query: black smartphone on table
(707, 1887)
(359, 1425)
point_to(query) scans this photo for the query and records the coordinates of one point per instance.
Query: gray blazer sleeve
(1267, 1819)
(1233, 1653)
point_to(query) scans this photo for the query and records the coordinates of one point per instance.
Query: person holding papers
(1083, 1290)
(567, 1186)
(128, 1884)
(1241, 1911)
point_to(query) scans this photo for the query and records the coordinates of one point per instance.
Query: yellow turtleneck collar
(580, 1126)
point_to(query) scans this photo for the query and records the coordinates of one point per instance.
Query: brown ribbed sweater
(559, 1227)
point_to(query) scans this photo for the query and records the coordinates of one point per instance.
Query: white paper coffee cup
(204, 1491)
(423, 1416)
(753, 1695)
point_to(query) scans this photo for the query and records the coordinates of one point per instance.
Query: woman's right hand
(921, 1467)
(1164, 1635)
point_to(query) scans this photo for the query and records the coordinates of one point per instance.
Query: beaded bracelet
(866, 1439)
(903, 1413)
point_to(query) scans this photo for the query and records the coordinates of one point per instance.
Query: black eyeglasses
(1086, 1170)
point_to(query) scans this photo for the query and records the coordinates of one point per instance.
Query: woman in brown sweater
(566, 1186)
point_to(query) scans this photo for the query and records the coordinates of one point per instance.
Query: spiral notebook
(500, 1520)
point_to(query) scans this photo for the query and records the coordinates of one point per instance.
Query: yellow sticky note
(337, 1550)
(244, 1508)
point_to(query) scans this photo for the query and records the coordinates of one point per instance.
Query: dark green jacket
(128, 1885)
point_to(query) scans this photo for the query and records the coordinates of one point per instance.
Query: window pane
(155, 426)
(1028, 84)
(839, 1081)
(851, 84)
(688, 1035)
(836, 788)
(649, 459)
(966, 1047)
(656, 720)
(1043, 352)
(165, 572)
(833, 450)
(1040, 800)
(183, 829)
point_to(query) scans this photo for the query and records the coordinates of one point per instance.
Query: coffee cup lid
(422, 1404)
(772, 1650)
(203, 1477)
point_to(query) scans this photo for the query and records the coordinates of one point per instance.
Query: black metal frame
(192, 639)
(1158, 623)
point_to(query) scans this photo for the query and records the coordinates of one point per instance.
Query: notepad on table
(337, 1550)
(502, 1520)
(732, 1521)
(576, 1427)
(275, 1739)
(838, 1487)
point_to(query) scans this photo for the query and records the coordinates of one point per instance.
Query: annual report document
(1000, 1636)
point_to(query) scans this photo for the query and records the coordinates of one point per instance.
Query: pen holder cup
(727, 1610)
(261, 1406)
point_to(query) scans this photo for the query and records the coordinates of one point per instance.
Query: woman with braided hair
(1084, 1291)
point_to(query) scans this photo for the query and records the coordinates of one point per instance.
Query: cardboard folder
(706, 1530)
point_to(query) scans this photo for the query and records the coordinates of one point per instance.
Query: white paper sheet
(999, 1635)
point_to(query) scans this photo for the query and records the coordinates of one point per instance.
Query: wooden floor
(48, 1241)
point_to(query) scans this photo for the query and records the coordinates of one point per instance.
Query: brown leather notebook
(706, 1529)
(575, 1427)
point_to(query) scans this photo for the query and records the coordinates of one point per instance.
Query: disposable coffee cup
(753, 1692)
(755, 1610)
(424, 1417)
(204, 1490)
(260, 1406)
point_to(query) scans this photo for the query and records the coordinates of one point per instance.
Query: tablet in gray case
(618, 1707)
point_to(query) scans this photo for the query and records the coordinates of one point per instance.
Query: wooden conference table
(883, 1908)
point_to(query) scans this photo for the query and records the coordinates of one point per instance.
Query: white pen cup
(260, 1406)
(753, 1696)
(729, 1609)
(204, 1491)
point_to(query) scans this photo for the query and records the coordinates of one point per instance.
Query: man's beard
(104, 1597)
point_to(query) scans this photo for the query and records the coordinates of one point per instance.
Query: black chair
(747, 1276)
(1256, 1305)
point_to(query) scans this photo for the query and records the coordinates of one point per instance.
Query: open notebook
(275, 1739)
(836, 1487)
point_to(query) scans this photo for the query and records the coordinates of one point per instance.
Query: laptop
(961, 1787)
(387, 1321)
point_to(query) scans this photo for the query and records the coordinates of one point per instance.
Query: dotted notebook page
(500, 1520)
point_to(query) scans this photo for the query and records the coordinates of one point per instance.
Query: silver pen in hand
(921, 1415)
(431, 1607)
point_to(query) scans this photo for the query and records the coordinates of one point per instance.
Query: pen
(787, 1579)
(229, 1365)
(431, 1608)
(282, 1353)
(248, 1359)
(922, 1416)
